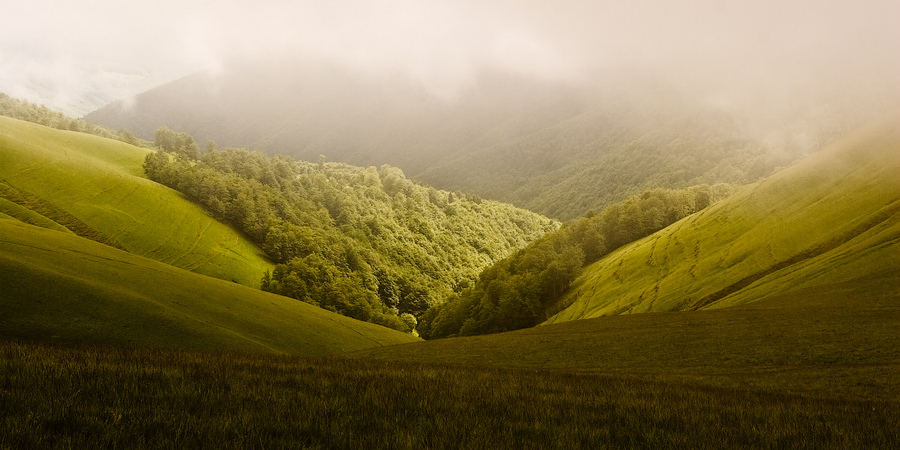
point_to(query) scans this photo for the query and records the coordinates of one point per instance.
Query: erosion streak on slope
(888, 214)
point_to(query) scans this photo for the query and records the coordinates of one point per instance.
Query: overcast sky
(78, 55)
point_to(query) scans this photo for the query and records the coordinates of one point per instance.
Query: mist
(76, 57)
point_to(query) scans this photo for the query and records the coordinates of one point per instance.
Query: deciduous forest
(364, 242)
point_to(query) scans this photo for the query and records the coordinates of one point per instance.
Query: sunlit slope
(96, 187)
(833, 218)
(61, 287)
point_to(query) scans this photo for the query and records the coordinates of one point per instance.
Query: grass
(96, 188)
(64, 397)
(837, 342)
(834, 217)
(59, 287)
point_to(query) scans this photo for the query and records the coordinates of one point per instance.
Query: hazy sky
(79, 55)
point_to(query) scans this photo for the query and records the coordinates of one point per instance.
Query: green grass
(65, 397)
(832, 218)
(59, 287)
(839, 341)
(96, 188)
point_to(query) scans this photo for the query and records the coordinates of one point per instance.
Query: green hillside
(832, 218)
(96, 188)
(63, 288)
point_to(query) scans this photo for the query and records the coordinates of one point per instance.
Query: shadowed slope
(64, 288)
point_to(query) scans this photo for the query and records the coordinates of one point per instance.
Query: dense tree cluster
(364, 242)
(181, 144)
(524, 289)
(39, 114)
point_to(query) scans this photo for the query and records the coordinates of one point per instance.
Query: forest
(525, 289)
(364, 242)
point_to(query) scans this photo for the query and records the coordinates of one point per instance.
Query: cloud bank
(76, 56)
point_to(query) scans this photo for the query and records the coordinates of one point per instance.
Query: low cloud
(79, 55)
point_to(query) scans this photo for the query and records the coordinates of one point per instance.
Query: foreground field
(136, 398)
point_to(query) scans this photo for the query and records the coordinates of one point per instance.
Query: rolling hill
(62, 288)
(831, 220)
(554, 148)
(96, 187)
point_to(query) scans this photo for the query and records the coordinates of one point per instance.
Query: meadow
(102, 397)
(96, 188)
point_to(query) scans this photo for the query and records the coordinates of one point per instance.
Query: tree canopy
(365, 242)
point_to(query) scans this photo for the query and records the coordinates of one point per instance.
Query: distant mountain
(828, 225)
(557, 149)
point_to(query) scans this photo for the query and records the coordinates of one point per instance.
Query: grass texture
(95, 187)
(838, 342)
(65, 397)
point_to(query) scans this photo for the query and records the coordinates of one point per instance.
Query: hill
(63, 288)
(831, 219)
(556, 149)
(96, 187)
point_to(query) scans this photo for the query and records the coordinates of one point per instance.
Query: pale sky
(76, 56)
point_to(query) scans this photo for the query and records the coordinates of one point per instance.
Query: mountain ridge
(503, 137)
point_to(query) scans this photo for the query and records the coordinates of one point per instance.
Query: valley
(450, 224)
(768, 310)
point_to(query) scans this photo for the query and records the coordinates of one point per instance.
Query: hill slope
(555, 149)
(96, 187)
(833, 218)
(64, 288)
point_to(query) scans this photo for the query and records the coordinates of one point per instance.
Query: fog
(77, 56)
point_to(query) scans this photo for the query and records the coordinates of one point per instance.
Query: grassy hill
(555, 149)
(833, 218)
(63, 288)
(95, 187)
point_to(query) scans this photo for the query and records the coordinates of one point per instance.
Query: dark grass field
(71, 397)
